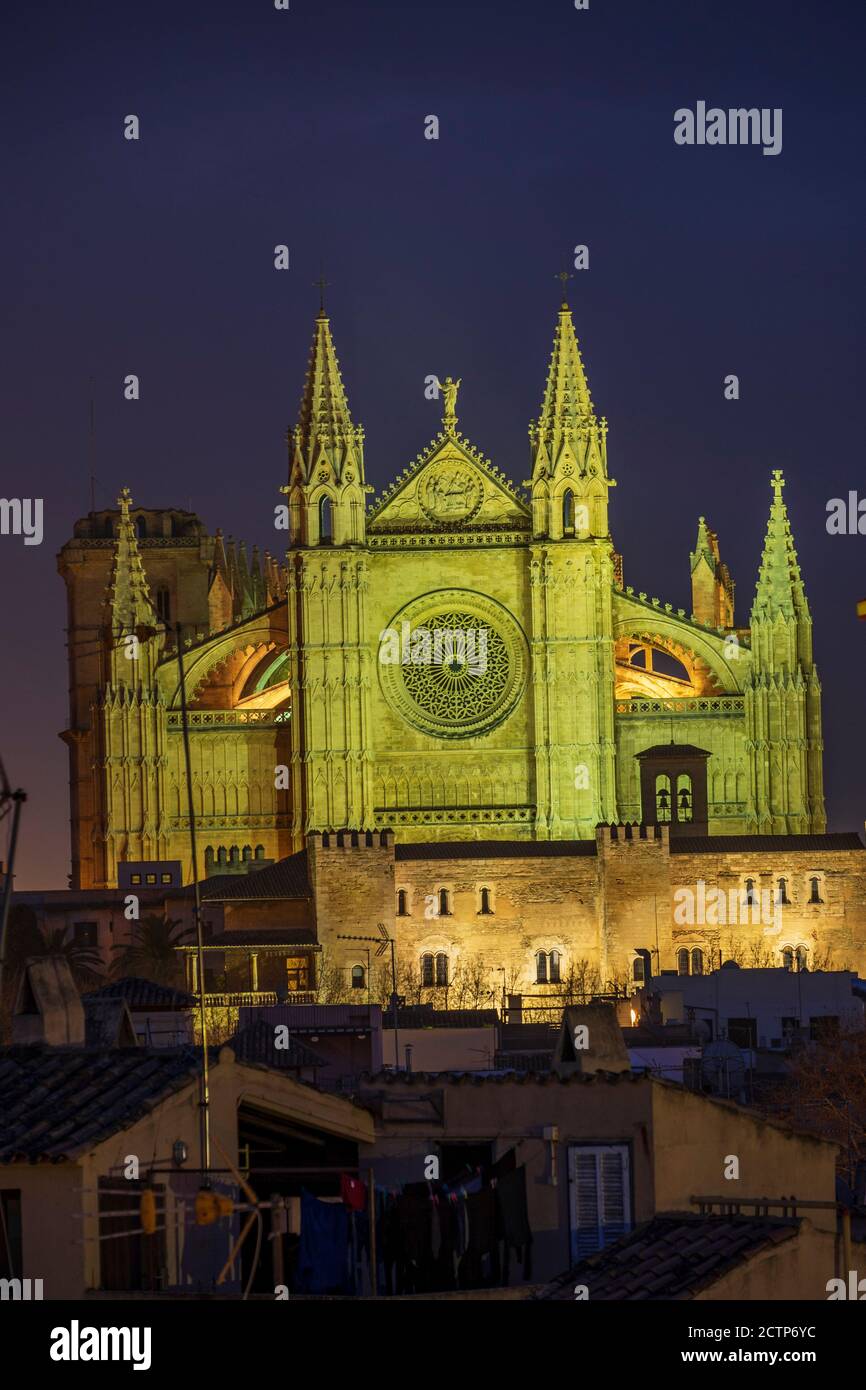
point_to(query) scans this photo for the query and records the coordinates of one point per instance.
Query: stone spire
(780, 585)
(568, 426)
(712, 585)
(324, 436)
(568, 447)
(130, 609)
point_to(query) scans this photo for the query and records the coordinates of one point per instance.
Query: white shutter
(599, 1197)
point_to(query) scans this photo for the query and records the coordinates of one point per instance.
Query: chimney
(48, 1008)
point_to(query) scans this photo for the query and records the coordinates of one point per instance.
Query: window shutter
(614, 1215)
(588, 1232)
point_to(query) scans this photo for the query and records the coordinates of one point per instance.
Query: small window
(150, 878)
(326, 520)
(135, 879)
(599, 1197)
(141, 527)
(553, 961)
(427, 976)
(163, 606)
(638, 971)
(485, 901)
(441, 969)
(743, 1032)
(815, 890)
(801, 956)
(165, 878)
(697, 961)
(359, 977)
(444, 909)
(541, 968)
(790, 1027)
(788, 957)
(402, 909)
(751, 895)
(782, 899)
(568, 513)
(682, 962)
(85, 934)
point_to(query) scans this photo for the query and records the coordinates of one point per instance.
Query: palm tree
(152, 952)
(28, 941)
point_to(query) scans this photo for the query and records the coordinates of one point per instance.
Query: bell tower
(329, 658)
(571, 582)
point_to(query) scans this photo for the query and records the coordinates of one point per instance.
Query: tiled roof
(497, 849)
(425, 1016)
(264, 937)
(255, 1043)
(287, 878)
(144, 994)
(57, 1102)
(763, 844)
(481, 1078)
(674, 1256)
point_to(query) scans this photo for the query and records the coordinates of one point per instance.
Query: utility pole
(16, 799)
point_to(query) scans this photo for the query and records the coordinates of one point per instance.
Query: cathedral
(449, 671)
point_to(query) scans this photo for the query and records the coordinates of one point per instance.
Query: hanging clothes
(323, 1255)
(354, 1192)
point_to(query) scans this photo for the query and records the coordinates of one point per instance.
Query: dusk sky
(306, 127)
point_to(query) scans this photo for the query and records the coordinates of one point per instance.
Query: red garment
(354, 1192)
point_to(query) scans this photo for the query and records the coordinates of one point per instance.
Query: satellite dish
(723, 1069)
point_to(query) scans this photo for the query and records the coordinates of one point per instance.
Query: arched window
(788, 957)
(541, 968)
(682, 962)
(697, 961)
(782, 899)
(638, 971)
(359, 977)
(663, 798)
(444, 909)
(568, 513)
(801, 956)
(247, 853)
(163, 606)
(441, 969)
(815, 890)
(685, 801)
(485, 901)
(554, 967)
(402, 910)
(326, 520)
(427, 976)
(751, 895)
(141, 527)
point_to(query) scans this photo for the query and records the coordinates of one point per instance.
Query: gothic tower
(783, 693)
(329, 655)
(571, 581)
(129, 716)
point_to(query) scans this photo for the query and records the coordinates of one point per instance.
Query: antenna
(92, 449)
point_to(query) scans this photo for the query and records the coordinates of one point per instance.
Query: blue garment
(323, 1253)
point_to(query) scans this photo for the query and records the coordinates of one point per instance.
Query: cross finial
(321, 283)
(778, 481)
(124, 500)
(564, 276)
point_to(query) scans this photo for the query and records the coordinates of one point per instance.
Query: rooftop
(674, 1256)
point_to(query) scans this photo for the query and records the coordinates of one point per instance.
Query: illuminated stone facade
(457, 660)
